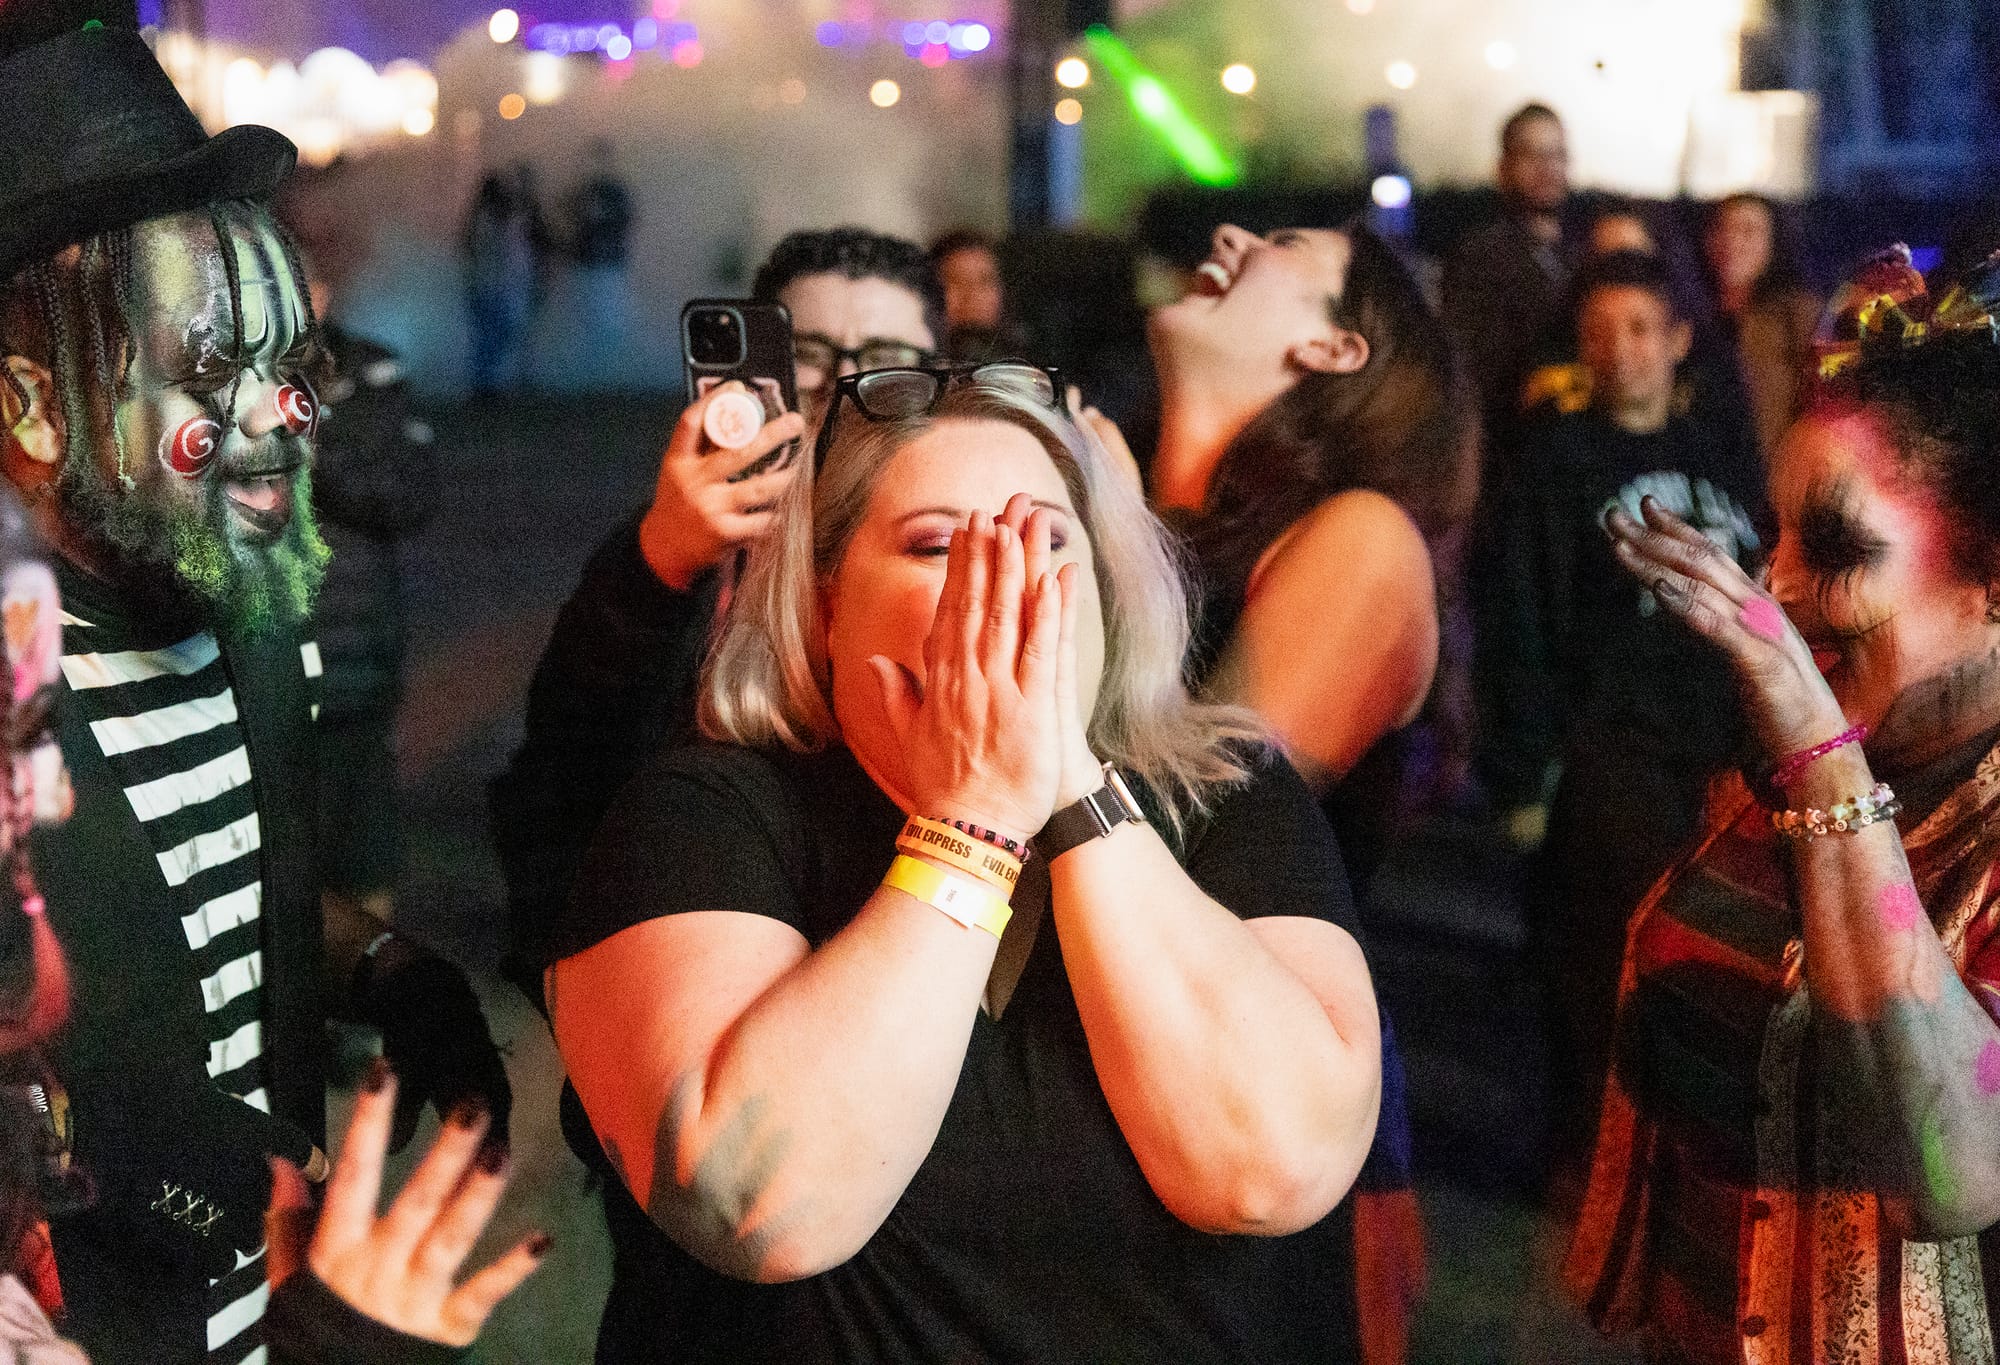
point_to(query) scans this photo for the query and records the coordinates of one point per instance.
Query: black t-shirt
(1578, 648)
(1029, 1232)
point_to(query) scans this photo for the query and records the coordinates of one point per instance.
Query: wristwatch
(1093, 817)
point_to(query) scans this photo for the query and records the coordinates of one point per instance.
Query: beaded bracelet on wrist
(993, 837)
(1844, 817)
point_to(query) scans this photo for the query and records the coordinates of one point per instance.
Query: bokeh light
(1390, 191)
(1361, 6)
(1069, 111)
(618, 48)
(1072, 73)
(884, 94)
(512, 106)
(502, 27)
(688, 54)
(544, 79)
(975, 38)
(1500, 55)
(1239, 78)
(1400, 74)
(419, 121)
(792, 91)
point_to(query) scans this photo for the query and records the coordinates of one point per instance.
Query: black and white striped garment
(166, 722)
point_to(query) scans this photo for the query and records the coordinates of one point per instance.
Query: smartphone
(725, 339)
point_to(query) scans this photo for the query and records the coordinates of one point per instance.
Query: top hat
(93, 136)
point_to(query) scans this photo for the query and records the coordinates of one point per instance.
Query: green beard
(183, 556)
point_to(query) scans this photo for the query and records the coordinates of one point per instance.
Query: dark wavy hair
(1939, 406)
(855, 254)
(1404, 425)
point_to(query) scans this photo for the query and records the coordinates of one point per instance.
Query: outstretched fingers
(1669, 543)
(466, 1311)
(357, 1172)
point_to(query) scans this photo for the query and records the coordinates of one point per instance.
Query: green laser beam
(1192, 146)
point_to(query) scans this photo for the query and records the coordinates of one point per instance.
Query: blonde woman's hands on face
(1081, 772)
(400, 1269)
(1787, 701)
(698, 516)
(982, 736)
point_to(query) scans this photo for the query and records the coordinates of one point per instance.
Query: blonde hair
(767, 680)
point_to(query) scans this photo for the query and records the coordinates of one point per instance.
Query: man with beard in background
(158, 422)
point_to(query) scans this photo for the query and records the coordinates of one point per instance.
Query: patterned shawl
(1816, 1264)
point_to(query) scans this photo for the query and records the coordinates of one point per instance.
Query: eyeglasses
(816, 351)
(898, 393)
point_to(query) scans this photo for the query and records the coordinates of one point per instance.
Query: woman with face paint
(1799, 1152)
(859, 1108)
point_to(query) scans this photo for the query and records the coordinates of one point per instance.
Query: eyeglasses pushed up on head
(893, 395)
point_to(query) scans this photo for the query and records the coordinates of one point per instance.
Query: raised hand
(400, 1269)
(1789, 705)
(982, 732)
(698, 516)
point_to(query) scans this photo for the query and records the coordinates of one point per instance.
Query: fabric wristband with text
(935, 839)
(968, 902)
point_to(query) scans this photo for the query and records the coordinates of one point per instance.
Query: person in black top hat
(159, 424)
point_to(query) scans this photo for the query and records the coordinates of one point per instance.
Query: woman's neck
(1198, 420)
(1929, 719)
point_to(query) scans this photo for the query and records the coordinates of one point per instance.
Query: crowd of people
(942, 829)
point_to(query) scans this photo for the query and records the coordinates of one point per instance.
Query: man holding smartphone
(617, 679)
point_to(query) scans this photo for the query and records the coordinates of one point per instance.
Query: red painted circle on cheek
(298, 408)
(190, 447)
(1762, 618)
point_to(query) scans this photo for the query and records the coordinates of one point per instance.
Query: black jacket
(130, 1058)
(616, 682)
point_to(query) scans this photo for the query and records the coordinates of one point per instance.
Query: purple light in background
(913, 35)
(152, 13)
(619, 48)
(831, 33)
(937, 32)
(645, 33)
(975, 37)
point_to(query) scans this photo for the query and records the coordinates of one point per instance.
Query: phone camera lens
(715, 337)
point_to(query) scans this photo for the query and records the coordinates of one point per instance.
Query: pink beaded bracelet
(1788, 771)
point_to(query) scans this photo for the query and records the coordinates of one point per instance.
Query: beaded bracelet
(990, 836)
(1788, 771)
(1845, 817)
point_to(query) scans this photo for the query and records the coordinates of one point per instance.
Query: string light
(502, 27)
(512, 106)
(884, 94)
(1072, 73)
(1069, 111)
(1239, 78)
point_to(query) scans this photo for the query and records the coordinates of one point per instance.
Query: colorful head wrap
(1886, 304)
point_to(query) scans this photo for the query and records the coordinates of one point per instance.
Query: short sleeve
(712, 827)
(1267, 849)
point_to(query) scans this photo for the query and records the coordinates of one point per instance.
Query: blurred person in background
(617, 679)
(1605, 729)
(1121, 1124)
(1799, 1154)
(600, 234)
(975, 298)
(1764, 312)
(1506, 285)
(374, 486)
(1315, 437)
(502, 270)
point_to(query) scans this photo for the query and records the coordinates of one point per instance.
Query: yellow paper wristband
(996, 867)
(968, 902)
